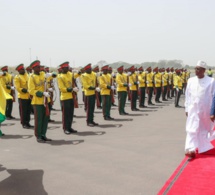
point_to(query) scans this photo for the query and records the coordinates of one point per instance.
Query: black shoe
(90, 124)
(151, 104)
(141, 106)
(53, 109)
(51, 121)
(73, 131)
(110, 118)
(29, 125)
(113, 104)
(125, 113)
(40, 140)
(106, 118)
(95, 124)
(99, 107)
(67, 132)
(25, 127)
(164, 100)
(135, 109)
(46, 139)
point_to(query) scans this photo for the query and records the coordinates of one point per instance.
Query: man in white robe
(198, 100)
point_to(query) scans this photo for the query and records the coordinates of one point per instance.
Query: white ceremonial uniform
(198, 101)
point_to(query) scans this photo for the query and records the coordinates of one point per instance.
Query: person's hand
(212, 117)
(50, 89)
(75, 89)
(177, 89)
(46, 94)
(129, 84)
(12, 88)
(47, 75)
(112, 87)
(97, 89)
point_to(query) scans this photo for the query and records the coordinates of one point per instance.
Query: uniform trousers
(90, 102)
(40, 121)
(106, 105)
(177, 96)
(67, 113)
(164, 92)
(142, 96)
(122, 95)
(9, 108)
(133, 99)
(158, 94)
(150, 92)
(24, 111)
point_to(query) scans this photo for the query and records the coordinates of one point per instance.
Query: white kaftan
(198, 100)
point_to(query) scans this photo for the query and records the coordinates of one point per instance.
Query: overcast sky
(87, 31)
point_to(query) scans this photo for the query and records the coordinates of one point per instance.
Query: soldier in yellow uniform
(21, 84)
(7, 84)
(133, 82)
(113, 77)
(122, 85)
(89, 85)
(98, 94)
(150, 84)
(172, 75)
(165, 84)
(178, 87)
(106, 87)
(65, 84)
(158, 84)
(142, 87)
(37, 88)
(28, 69)
(169, 83)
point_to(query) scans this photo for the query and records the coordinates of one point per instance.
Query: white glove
(138, 82)
(12, 88)
(154, 82)
(52, 84)
(75, 89)
(97, 89)
(129, 84)
(50, 89)
(169, 82)
(46, 94)
(112, 87)
(129, 73)
(162, 81)
(147, 82)
(113, 74)
(48, 74)
(177, 89)
(1, 73)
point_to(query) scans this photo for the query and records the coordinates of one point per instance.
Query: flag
(3, 98)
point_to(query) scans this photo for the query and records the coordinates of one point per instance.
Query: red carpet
(193, 177)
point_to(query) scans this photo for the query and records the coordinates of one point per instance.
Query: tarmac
(132, 155)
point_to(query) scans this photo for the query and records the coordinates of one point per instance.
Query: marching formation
(35, 87)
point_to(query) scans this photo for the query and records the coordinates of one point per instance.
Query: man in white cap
(198, 100)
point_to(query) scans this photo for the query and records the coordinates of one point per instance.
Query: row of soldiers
(35, 90)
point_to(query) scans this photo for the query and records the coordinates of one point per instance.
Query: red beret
(106, 67)
(141, 68)
(20, 67)
(4, 68)
(131, 68)
(149, 68)
(64, 65)
(155, 69)
(120, 68)
(35, 63)
(88, 66)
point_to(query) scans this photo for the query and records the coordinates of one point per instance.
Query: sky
(87, 31)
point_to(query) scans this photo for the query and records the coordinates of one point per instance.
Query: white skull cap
(201, 64)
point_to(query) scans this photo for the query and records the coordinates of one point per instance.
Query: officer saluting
(37, 88)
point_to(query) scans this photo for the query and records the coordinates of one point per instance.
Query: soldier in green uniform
(89, 85)
(65, 84)
(7, 84)
(37, 88)
(21, 84)
(122, 85)
(105, 86)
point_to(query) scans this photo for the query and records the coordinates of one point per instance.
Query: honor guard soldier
(7, 84)
(142, 87)
(178, 87)
(37, 88)
(98, 94)
(89, 85)
(150, 84)
(158, 84)
(29, 70)
(169, 83)
(21, 84)
(113, 77)
(65, 84)
(133, 82)
(165, 84)
(122, 85)
(106, 88)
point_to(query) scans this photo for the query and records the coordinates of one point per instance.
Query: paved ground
(132, 155)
